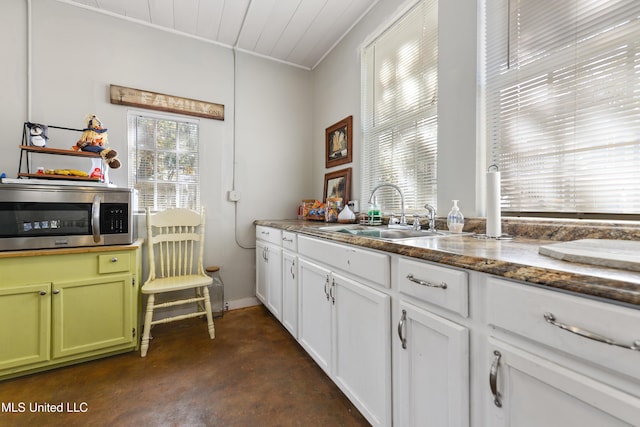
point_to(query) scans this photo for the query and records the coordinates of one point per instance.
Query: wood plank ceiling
(298, 32)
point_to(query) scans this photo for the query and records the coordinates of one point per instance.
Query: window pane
(562, 99)
(399, 91)
(164, 161)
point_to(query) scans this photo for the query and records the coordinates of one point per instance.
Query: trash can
(216, 291)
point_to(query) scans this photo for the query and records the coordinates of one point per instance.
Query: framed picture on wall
(338, 184)
(339, 142)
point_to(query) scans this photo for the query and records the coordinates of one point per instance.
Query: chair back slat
(175, 241)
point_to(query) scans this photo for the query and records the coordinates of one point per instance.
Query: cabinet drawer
(268, 234)
(116, 262)
(290, 241)
(521, 309)
(444, 287)
(369, 265)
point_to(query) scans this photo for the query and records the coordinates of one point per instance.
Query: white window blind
(563, 104)
(164, 161)
(399, 110)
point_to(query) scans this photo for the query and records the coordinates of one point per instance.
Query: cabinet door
(433, 370)
(92, 314)
(315, 322)
(533, 392)
(362, 351)
(261, 272)
(290, 292)
(274, 280)
(25, 316)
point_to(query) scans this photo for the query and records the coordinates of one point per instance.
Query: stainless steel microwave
(40, 216)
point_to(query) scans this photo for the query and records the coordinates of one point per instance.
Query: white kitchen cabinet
(290, 292)
(433, 374)
(361, 334)
(262, 271)
(290, 282)
(545, 370)
(530, 391)
(316, 319)
(269, 269)
(344, 326)
(432, 352)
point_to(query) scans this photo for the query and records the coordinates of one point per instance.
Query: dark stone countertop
(516, 259)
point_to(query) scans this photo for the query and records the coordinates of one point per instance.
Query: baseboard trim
(243, 302)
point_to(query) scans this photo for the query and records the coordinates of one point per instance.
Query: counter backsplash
(555, 229)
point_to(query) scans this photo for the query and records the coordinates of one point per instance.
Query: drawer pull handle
(114, 259)
(550, 318)
(420, 282)
(284, 239)
(326, 285)
(493, 379)
(403, 319)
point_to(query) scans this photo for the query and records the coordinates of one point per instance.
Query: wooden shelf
(52, 176)
(58, 151)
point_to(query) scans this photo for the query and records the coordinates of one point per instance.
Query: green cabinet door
(25, 312)
(92, 314)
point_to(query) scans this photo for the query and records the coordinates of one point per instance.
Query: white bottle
(455, 219)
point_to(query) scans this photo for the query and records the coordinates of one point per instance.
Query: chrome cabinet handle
(284, 239)
(266, 253)
(333, 286)
(293, 264)
(493, 379)
(56, 291)
(403, 319)
(326, 284)
(114, 259)
(550, 318)
(420, 282)
(43, 292)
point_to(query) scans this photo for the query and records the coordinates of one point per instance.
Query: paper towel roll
(494, 228)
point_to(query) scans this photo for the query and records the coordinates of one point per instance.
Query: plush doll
(94, 139)
(37, 134)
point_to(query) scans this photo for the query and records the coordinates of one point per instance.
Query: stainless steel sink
(385, 233)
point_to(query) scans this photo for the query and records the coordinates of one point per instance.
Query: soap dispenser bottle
(375, 216)
(455, 219)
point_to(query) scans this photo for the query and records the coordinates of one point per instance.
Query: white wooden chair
(175, 241)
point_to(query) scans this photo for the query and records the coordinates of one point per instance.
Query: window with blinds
(164, 161)
(399, 110)
(563, 105)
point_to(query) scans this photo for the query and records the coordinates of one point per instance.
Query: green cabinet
(25, 313)
(67, 306)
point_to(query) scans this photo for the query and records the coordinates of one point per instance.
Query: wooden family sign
(172, 104)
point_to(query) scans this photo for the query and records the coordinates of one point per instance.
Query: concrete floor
(253, 374)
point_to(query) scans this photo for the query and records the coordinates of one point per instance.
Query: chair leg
(148, 317)
(207, 305)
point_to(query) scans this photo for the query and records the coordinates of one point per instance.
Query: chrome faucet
(432, 217)
(403, 218)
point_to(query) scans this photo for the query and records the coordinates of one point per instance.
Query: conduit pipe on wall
(233, 166)
(28, 60)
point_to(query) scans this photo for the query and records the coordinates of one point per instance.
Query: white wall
(337, 95)
(77, 53)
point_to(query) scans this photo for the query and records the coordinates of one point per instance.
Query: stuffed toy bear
(94, 139)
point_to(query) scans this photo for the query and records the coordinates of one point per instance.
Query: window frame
(491, 131)
(405, 131)
(134, 153)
